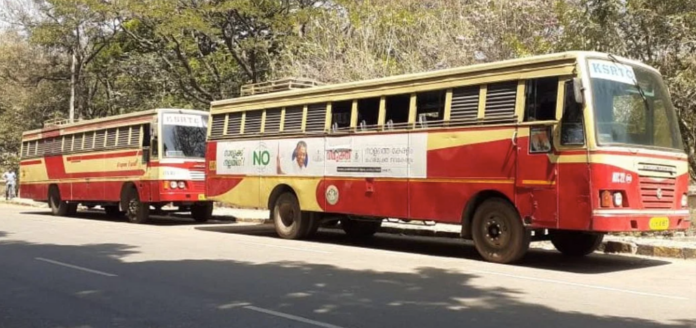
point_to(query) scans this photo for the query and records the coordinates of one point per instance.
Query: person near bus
(10, 183)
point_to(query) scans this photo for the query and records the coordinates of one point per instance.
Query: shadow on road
(202, 293)
(454, 248)
(156, 220)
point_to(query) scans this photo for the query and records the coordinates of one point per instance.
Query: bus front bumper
(195, 192)
(615, 220)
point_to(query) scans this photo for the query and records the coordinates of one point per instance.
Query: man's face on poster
(301, 155)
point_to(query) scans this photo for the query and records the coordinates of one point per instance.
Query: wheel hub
(287, 215)
(496, 232)
(133, 207)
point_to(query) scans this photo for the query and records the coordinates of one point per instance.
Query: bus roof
(103, 121)
(406, 79)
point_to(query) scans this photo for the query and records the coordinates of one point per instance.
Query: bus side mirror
(577, 90)
(146, 155)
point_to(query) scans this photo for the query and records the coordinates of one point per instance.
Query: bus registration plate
(659, 223)
(201, 197)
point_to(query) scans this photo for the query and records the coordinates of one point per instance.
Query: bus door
(536, 187)
(150, 154)
(536, 183)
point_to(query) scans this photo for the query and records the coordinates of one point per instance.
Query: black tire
(136, 211)
(58, 207)
(112, 211)
(498, 233)
(289, 220)
(202, 212)
(360, 229)
(576, 243)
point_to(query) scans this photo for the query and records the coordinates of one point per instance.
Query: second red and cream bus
(127, 164)
(565, 147)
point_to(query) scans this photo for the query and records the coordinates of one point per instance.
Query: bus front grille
(657, 185)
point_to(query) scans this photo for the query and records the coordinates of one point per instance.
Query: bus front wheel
(58, 206)
(289, 220)
(498, 233)
(136, 211)
(576, 243)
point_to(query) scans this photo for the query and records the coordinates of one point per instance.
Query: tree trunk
(72, 88)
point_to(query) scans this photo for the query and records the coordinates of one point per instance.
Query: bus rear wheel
(136, 211)
(576, 243)
(58, 206)
(360, 228)
(202, 212)
(498, 233)
(289, 220)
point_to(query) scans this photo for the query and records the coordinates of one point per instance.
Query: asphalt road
(94, 272)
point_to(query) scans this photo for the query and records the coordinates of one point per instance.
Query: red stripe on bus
(55, 168)
(103, 156)
(34, 162)
(50, 134)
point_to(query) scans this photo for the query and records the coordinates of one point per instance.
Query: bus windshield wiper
(635, 82)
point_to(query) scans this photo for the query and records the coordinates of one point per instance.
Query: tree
(211, 47)
(29, 91)
(350, 40)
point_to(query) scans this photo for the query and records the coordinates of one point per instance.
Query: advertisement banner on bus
(397, 156)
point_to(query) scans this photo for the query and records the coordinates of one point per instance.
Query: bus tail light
(618, 199)
(610, 198)
(167, 185)
(606, 198)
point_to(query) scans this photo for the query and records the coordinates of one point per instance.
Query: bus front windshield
(632, 107)
(183, 135)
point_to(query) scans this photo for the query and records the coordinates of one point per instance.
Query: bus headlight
(618, 199)
(172, 184)
(685, 200)
(182, 185)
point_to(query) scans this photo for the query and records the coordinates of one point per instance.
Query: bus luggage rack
(277, 86)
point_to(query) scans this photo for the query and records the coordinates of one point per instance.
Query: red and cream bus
(125, 164)
(563, 147)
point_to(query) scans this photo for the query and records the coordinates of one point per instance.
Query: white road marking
(76, 267)
(285, 247)
(560, 282)
(291, 317)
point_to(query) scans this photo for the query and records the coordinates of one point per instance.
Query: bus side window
(430, 107)
(340, 115)
(541, 99)
(368, 113)
(146, 135)
(572, 128)
(147, 144)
